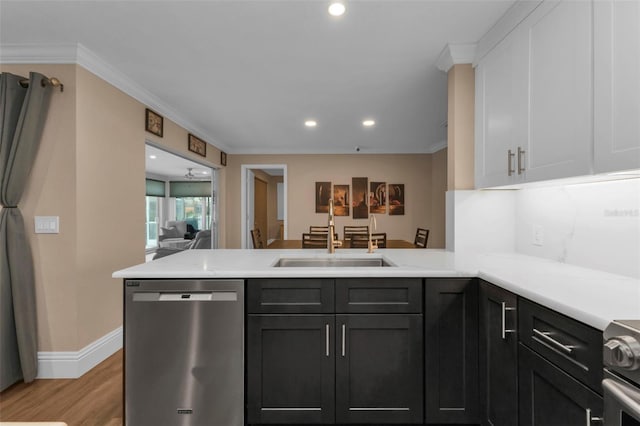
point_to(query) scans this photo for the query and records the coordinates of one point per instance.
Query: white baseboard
(71, 365)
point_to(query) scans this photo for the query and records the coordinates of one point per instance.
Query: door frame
(215, 207)
(246, 199)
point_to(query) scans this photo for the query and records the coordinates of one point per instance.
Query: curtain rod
(52, 81)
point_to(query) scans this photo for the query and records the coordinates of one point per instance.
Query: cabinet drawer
(299, 296)
(379, 295)
(573, 346)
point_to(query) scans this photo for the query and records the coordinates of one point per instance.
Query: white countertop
(591, 296)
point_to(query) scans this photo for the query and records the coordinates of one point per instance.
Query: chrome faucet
(331, 241)
(372, 246)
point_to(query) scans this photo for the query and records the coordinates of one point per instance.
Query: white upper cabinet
(499, 115)
(559, 82)
(617, 85)
(559, 96)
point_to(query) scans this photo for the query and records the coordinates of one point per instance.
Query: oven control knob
(622, 352)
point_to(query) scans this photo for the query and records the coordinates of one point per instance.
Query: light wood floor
(94, 399)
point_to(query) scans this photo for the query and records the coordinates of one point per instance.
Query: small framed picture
(197, 145)
(153, 122)
(223, 158)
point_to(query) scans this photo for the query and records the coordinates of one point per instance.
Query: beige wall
(90, 172)
(413, 170)
(460, 129)
(438, 203)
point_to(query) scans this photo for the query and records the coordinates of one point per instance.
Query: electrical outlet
(538, 235)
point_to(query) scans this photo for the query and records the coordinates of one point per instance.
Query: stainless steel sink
(312, 262)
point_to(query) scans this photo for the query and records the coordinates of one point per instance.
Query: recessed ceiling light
(337, 8)
(368, 123)
(310, 123)
(153, 157)
(204, 172)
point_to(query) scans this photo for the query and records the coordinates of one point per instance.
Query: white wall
(594, 225)
(481, 221)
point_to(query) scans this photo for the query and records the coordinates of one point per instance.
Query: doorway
(186, 192)
(254, 177)
(260, 208)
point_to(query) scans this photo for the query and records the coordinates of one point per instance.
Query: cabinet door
(379, 369)
(290, 369)
(616, 85)
(498, 356)
(499, 125)
(549, 396)
(451, 350)
(560, 79)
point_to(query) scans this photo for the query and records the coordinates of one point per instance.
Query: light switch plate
(47, 224)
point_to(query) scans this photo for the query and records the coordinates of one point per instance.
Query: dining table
(297, 244)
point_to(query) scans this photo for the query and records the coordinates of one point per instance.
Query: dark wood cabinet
(571, 345)
(549, 396)
(451, 350)
(290, 369)
(379, 369)
(308, 365)
(498, 352)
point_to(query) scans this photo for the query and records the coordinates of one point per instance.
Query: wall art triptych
(366, 198)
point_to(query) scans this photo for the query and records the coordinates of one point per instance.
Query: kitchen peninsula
(324, 344)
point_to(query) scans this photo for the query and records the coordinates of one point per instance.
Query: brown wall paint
(460, 129)
(414, 170)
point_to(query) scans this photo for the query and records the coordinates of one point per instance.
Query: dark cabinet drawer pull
(546, 338)
(326, 343)
(504, 320)
(344, 339)
(592, 419)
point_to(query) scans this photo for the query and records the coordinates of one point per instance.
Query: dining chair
(314, 240)
(362, 240)
(256, 237)
(422, 235)
(352, 230)
(318, 229)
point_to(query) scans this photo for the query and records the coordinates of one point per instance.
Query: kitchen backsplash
(594, 225)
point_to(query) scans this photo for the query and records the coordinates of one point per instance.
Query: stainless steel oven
(621, 383)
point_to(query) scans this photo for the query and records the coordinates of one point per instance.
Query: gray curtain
(22, 115)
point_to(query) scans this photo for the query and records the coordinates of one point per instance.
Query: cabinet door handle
(326, 342)
(344, 339)
(510, 156)
(520, 160)
(504, 330)
(546, 338)
(592, 419)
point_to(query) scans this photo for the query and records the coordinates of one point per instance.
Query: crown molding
(38, 54)
(87, 59)
(452, 54)
(507, 23)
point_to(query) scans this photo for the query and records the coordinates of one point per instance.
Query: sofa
(202, 240)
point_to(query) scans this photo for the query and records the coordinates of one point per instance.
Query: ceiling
(162, 164)
(245, 75)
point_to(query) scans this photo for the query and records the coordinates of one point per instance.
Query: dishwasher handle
(195, 296)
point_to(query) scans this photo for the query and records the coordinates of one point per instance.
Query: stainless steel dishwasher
(184, 352)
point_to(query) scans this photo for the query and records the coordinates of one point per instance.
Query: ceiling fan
(190, 175)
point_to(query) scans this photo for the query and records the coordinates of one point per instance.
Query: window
(154, 205)
(196, 211)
